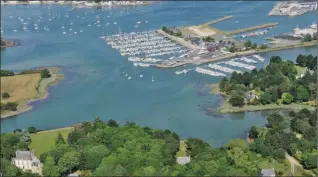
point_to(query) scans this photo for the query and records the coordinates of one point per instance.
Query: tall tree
(302, 93)
(59, 139)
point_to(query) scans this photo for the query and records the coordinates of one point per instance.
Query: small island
(280, 85)
(18, 89)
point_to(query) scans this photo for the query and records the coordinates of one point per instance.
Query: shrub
(45, 73)
(32, 130)
(5, 95)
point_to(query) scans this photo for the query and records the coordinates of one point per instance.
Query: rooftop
(268, 172)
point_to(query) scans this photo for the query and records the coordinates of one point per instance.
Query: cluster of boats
(148, 44)
(149, 60)
(257, 33)
(219, 70)
(223, 68)
(247, 60)
(142, 64)
(241, 65)
(183, 71)
(209, 72)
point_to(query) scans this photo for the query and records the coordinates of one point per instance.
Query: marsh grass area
(227, 108)
(44, 141)
(25, 87)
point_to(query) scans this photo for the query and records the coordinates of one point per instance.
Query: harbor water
(94, 84)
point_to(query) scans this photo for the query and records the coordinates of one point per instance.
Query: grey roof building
(26, 160)
(268, 172)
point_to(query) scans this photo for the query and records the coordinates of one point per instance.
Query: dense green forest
(295, 134)
(278, 83)
(107, 149)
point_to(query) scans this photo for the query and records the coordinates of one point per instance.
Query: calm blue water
(95, 86)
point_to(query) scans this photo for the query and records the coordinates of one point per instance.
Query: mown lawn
(45, 141)
(183, 150)
(300, 70)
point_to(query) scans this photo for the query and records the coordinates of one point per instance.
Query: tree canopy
(277, 83)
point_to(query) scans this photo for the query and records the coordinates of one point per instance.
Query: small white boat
(141, 75)
(129, 78)
(152, 79)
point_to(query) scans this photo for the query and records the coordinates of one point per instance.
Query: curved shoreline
(225, 107)
(42, 90)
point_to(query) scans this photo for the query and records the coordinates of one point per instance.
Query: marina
(143, 44)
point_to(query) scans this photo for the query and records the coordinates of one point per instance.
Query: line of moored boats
(219, 70)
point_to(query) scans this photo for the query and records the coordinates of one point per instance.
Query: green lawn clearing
(182, 150)
(44, 141)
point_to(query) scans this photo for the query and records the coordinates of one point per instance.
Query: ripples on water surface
(95, 86)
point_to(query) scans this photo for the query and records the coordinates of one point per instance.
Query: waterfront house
(183, 160)
(26, 160)
(268, 172)
(73, 175)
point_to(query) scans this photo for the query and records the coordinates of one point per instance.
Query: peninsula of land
(7, 43)
(18, 89)
(280, 85)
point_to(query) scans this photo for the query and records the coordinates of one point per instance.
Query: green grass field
(45, 141)
(300, 70)
(183, 149)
